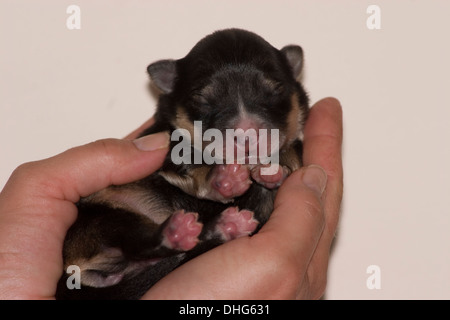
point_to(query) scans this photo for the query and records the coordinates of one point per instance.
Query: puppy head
(234, 79)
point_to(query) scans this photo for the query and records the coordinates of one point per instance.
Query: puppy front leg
(219, 183)
(290, 160)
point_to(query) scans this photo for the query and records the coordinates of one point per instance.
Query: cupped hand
(37, 206)
(288, 257)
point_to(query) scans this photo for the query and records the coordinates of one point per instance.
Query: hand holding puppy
(287, 259)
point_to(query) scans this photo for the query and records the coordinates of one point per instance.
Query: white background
(61, 88)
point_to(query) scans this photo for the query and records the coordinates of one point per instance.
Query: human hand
(288, 257)
(37, 206)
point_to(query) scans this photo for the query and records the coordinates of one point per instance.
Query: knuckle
(107, 150)
(25, 170)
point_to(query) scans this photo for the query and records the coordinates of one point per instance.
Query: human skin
(287, 259)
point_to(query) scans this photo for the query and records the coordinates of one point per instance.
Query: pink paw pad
(271, 180)
(235, 223)
(231, 180)
(182, 231)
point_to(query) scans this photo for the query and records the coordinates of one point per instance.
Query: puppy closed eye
(273, 88)
(201, 102)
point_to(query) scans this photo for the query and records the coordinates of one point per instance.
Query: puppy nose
(246, 137)
(247, 124)
(244, 142)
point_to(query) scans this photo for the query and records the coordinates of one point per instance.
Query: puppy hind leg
(234, 223)
(108, 244)
(181, 231)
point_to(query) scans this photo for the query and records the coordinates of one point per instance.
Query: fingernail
(315, 178)
(153, 142)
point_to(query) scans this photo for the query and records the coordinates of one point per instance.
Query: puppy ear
(163, 74)
(294, 56)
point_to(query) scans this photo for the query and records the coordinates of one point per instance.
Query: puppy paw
(269, 177)
(230, 180)
(182, 231)
(234, 223)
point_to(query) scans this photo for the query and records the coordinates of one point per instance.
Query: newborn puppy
(235, 112)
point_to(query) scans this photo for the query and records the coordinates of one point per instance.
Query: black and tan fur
(118, 230)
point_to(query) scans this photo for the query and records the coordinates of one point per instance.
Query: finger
(294, 226)
(83, 170)
(322, 145)
(138, 131)
(297, 221)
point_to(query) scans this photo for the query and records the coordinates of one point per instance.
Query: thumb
(79, 172)
(298, 219)
(97, 165)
